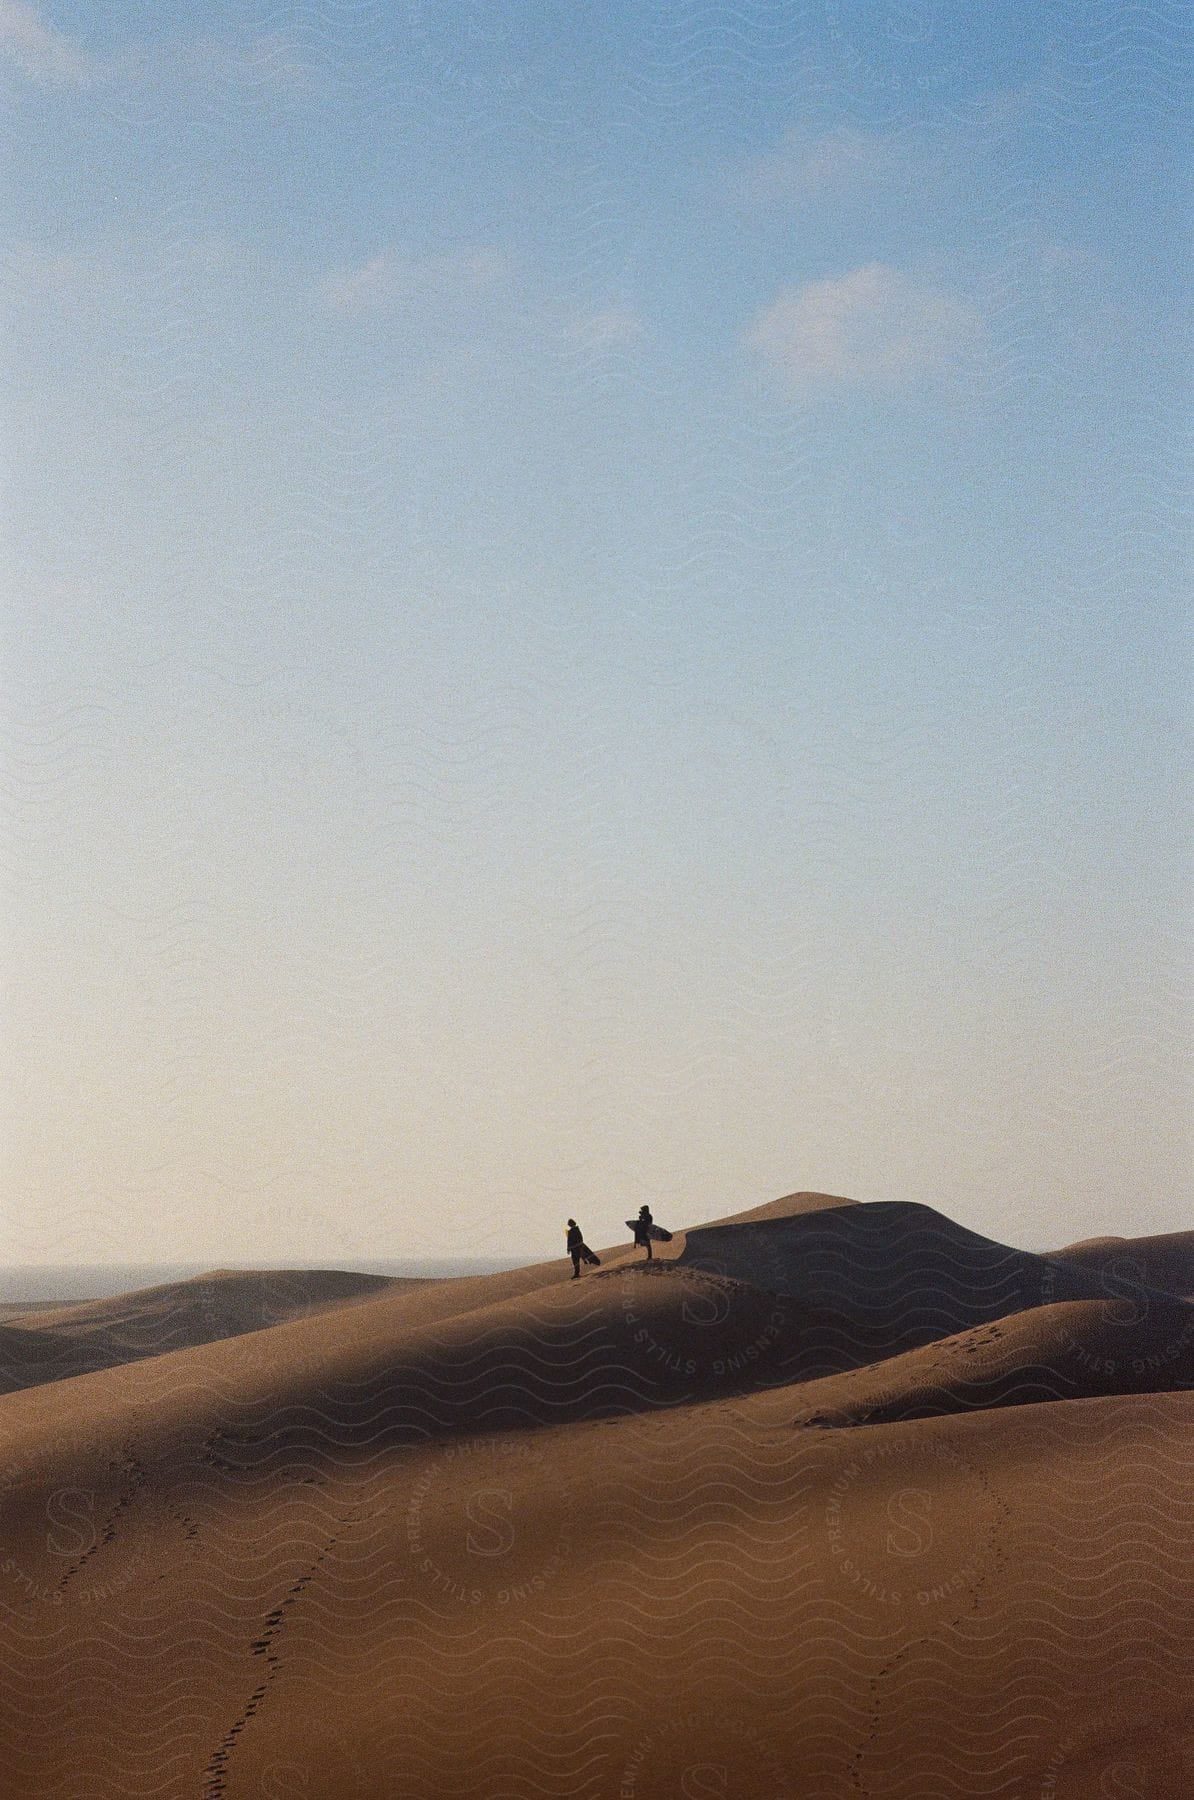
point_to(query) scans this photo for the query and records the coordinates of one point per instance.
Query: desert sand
(831, 1500)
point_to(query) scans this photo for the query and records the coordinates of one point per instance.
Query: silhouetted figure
(642, 1229)
(578, 1250)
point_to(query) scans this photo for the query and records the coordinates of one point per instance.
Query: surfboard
(656, 1231)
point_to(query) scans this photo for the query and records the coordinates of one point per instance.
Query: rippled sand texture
(836, 1500)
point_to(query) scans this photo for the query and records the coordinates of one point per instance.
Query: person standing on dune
(578, 1250)
(642, 1229)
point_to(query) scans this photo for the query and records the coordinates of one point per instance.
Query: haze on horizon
(595, 611)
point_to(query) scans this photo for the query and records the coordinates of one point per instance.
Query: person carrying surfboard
(646, 1232)
(578, 1250)
(642, 1229)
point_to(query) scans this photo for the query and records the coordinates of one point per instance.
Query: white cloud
(268, 65)
(874, 325)
(388, 279)
(607, 329)
(38, 51)
(807, 163)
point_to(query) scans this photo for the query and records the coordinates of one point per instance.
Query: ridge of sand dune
(788, 1206)
(898, 1270)
(1074, 1349)
(244, 1299)
(1165, 1261)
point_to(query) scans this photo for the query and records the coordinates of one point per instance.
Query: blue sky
(595, 613)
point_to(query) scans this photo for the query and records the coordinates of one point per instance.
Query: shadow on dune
(1121, 1264)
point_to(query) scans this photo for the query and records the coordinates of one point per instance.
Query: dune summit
(829, 1500)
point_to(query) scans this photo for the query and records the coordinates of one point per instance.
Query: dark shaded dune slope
(366, 1377)
(895, 1275)
(1074, 1350)
(33, 1358)
(1122, 1263)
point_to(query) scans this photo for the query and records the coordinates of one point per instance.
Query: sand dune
(52, 1344)
(235, 1300)
(1075, 1350)
(30, 1357)
(517, 1536)
(1120, 1263)
(898, 1274)
(788, 1206)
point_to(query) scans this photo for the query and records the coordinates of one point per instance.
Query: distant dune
(74, 1340)
(1119, 1263)
(831, 1500)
